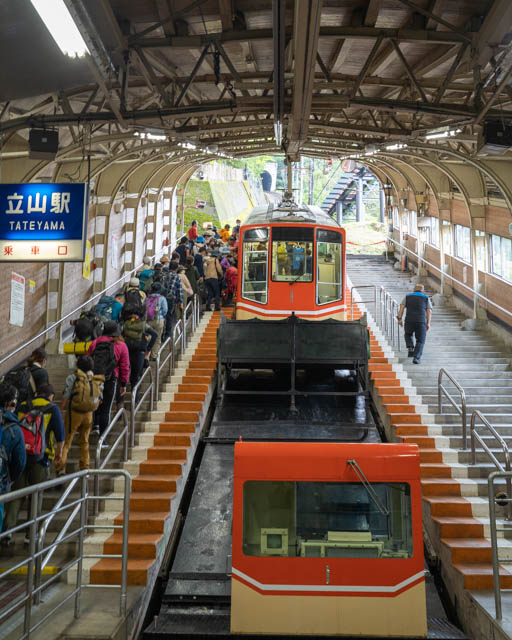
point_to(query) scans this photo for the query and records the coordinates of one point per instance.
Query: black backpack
(5, 475)
(88, 327)
(22, 379)
(104, 359)
(133, 297)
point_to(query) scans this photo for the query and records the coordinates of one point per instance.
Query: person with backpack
(81, 398)
(87, 327)
(111, 360)
(145, 276)
(174, 296)
(133, 294)
(182, 250)
(105, 308)
(192, 274)
(12, 447)
(156, 311)
(27, 377)
(118, 305)
(213, 273)
(42, 427)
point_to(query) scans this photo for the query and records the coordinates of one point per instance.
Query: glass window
(434, 231)
(405, 222)
(501, 257)
(413, 217)
(447, 237)
(329, 266)
(463, 243)
(396, 218)
(255, 252)
(292, 254)
(327, 519)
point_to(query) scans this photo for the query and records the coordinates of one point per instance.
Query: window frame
(317, 279)
(272, 240)
(243, 242)
(435, 239)
(492, 269)
(460, 255)
(413, 223)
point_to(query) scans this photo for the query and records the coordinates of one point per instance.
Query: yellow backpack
(87, 392)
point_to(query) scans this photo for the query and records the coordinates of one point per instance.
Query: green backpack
(133, 331)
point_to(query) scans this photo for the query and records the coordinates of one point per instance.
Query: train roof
(290, 213)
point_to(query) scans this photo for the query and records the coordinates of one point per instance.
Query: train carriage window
(292, 254)
(327, 519)
(255, 257)
(329, 266)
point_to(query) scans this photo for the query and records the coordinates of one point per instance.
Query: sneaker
(95, 431)
(410, 353)
(61, 473)
(7, 541)
(415, 361)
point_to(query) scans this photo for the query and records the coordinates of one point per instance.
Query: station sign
(43, 222)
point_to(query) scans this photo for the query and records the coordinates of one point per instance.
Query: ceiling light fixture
(395, 147)
(61, 26)
(445, 132)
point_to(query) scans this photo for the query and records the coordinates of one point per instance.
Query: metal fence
(74, 530)
(442, 392)
(495, 529)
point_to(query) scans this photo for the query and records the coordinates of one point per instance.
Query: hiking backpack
(22, 379)
(5, 476)
(87, 392)
(133, 332)
(104, 359)
(152, 306)
(105, 307)
(33, 428)
(89, 326)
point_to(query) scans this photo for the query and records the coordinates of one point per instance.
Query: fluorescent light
(448, 133)
(278, 133)
(61, 26)
(395, 147)
(150, 136)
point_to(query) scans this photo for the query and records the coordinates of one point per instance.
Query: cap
(111, 329)
(134, 282)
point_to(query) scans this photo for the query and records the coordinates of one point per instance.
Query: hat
(146, 260)
(181, 268)
(164, 259)
(156, 287)
(134, 282)
(111, 329)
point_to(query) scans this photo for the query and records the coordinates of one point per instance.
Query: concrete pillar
(339, 212)
(479, 313)
(382, 203)
(359, 201)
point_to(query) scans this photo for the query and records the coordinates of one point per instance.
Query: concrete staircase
(455, 502)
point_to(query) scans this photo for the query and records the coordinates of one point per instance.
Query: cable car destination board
(43, 222)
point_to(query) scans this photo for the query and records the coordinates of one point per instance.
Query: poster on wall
(86, 267)
(17, 314)
(43, 222)
(114, 252)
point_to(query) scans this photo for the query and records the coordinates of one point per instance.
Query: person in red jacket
(116, 374)
(192, 232)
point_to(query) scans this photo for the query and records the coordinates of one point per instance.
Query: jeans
(102, 413)
(169, 322)
(33, 473)
(136, 364)
(419, 330)
(212, 285)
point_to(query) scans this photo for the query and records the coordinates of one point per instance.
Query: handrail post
(34, 512)
(439, 394)
(183, 334)
(132, 418)
(494, 546)
(124, 560)
(472, 437)
(464, 419)
(81, 536)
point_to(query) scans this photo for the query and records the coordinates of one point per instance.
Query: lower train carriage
(291, 260)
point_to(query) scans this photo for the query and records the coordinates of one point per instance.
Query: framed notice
(43, 222)
(17, 314)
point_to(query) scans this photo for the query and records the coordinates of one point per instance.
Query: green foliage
(199, 190)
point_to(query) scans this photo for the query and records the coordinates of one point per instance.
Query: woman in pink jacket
(111, 359)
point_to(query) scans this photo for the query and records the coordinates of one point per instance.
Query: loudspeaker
(496, 138)
(43, 144)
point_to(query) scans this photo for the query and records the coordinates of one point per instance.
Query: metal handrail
(159, 364)
(494, 534)
(363, 286)
(135, 406)
(462, 410)
(57, 323)
(446, 275)
(475, 436)
(386, 316)
(33, 562)
(124, 435)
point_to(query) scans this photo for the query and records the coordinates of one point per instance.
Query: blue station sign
(43, 222)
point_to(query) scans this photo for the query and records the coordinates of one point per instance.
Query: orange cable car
(291, 261)
(327, 540)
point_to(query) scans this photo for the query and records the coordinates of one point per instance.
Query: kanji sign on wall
(17, 314)
(43, 222)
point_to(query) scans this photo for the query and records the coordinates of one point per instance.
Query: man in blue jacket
(12, 446)
(417, 321)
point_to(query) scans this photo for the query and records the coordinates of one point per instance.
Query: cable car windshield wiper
(369, 487)
(301, 275)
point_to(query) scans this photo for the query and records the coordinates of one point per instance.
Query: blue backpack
(105, 307)
(5, 476)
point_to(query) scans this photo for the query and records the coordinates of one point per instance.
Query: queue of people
(119, 337)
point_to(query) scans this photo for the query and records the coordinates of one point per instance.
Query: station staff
(417, 321)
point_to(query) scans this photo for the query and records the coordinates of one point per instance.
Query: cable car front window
(327, 520)
(255, 257)
(329, 261)
(292, 254)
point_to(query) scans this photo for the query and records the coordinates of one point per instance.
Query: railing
(493, 500)
(462, 410)
(387, 316)
(476, 437)
(136, 402)
(38, 554)
(476, 294)
(122, 437)
(374, 300)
